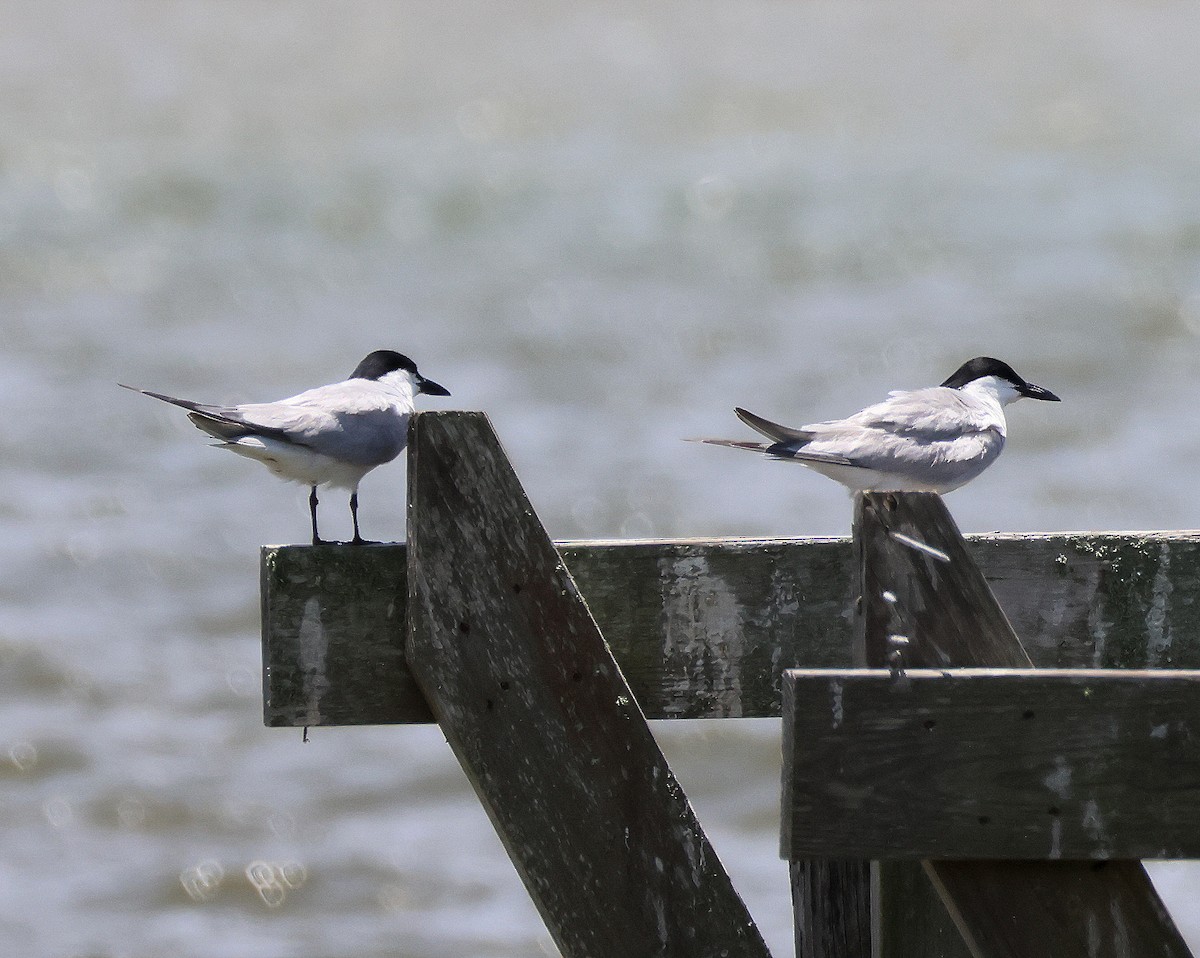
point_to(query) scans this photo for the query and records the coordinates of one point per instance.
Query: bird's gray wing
(908, 434)
(789, 442)
(772, 430)
(222, 422)
(935, 414)
(778, 450)
(354, 421)
(912, 432)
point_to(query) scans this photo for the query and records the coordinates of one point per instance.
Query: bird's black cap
(982, 366)
(383, 361)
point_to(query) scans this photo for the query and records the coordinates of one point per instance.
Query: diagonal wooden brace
(536, 709)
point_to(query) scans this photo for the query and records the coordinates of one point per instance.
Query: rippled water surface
(605, 224)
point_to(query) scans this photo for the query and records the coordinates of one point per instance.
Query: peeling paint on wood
(704, 628)
(333, 638)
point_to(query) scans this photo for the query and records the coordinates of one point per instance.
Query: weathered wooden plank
(835, 899)
(912, 921)
(920, 582)
(1032, 764)
(333, 647)
(704, 628)
(898, 890)
(538, 713)
(1104, 909)
(832, 902)
(1055, 904)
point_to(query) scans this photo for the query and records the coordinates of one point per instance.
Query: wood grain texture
(940, 603)
(1028, 764)
(333, 638)
(1062, 909)
(704, 628)
(912, 921)
(1009, 909)
(908, 918)
(832, 901)
(538, 713)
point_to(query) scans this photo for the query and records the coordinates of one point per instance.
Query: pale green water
(605, 224)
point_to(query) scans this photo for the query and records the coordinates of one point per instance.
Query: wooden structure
(924, 603)
(481, 624)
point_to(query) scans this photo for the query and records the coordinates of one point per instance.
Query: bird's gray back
(934, 436)
(354, 421)
(934, 414)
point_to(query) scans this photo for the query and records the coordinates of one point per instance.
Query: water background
(603, 223)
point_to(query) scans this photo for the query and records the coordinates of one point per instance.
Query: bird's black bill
(1030, 391)
(430, 388)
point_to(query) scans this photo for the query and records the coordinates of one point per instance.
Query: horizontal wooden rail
(705, 628)
(992, 763)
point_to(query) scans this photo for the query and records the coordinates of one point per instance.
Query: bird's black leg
(312, 507)
(358, 539)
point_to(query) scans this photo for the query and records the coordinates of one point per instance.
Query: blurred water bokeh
(603, 223)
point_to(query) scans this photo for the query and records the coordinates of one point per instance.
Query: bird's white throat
(399, 384)
(999, 391)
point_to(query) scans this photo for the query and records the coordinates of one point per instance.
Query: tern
(328, 436)
(921, 440)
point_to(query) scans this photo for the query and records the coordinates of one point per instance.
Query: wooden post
(841, 908)
(832, 902)
(912, 921)
(919, 582)
(537, 711)
(832, 898)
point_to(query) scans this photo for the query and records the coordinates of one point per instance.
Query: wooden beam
(333, 620)
(704, 628)
(1065, 909)
(548, 732)
(910, 920)
(1014, 909)
(833, 907)
(1027, 764)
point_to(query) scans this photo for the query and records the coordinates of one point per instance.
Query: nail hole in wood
(1053, 810)
(984, 820)
(464, 628)
(929, 724)
(1027, 714)
(504, 686)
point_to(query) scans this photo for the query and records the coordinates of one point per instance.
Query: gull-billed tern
(328, 436)
(920, 440)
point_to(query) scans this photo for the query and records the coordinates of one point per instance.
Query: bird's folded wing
(283, 420)
(772, 430)
(779, 450)
(936, 414)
